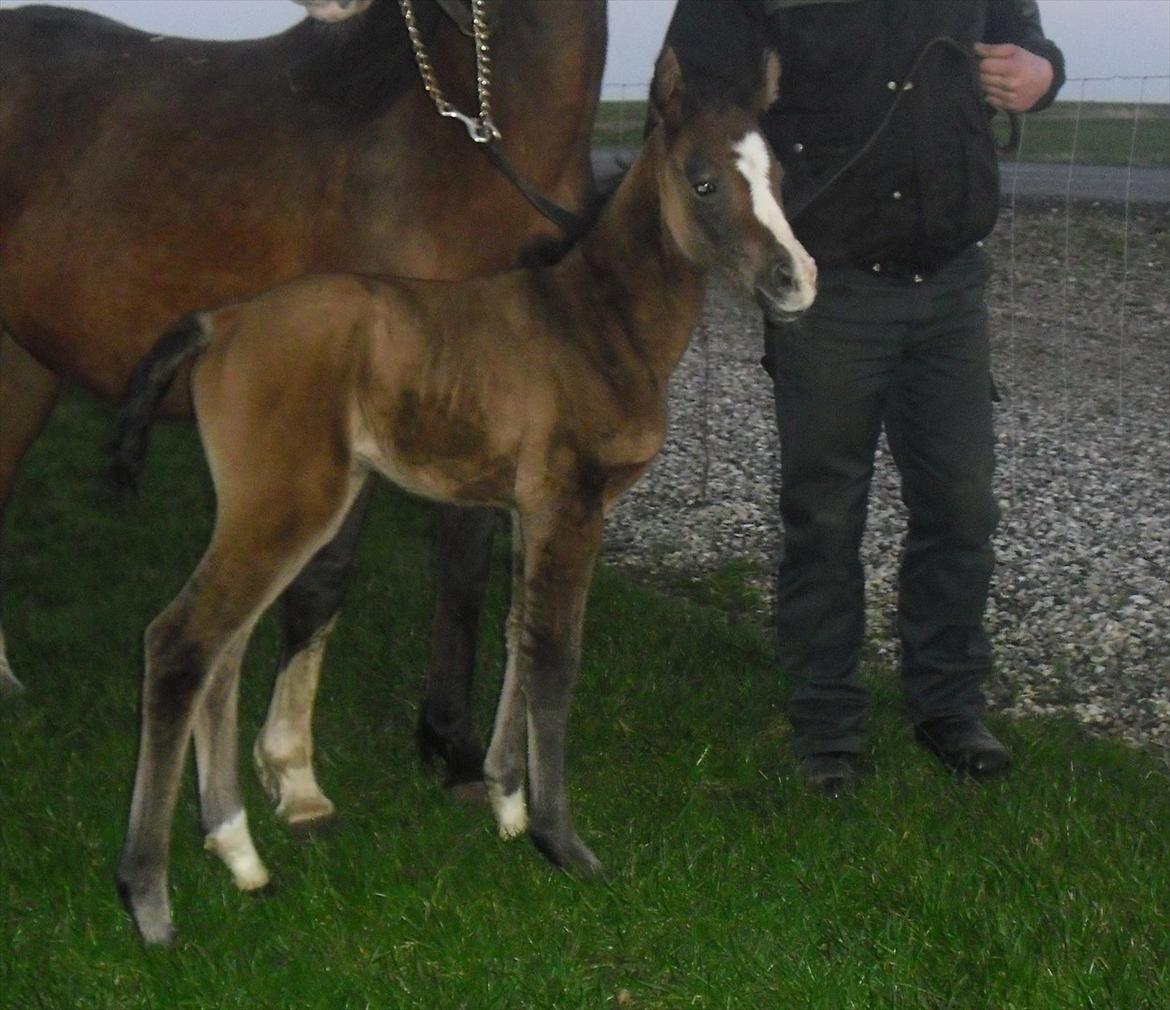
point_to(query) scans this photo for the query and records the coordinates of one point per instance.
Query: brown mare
(141, 178)
(542, 390)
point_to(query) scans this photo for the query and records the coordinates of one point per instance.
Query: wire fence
(1080, 305)
(1113, 105)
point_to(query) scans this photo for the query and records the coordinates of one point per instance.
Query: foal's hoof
(311, 829)
(567, 852)
(156, 935)
(151, 914)
(510, 811)
(269, 890)
(311, 811)
(461, 755)
(293, 788)
(9, 685)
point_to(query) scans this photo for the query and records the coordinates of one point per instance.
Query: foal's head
(720, 189)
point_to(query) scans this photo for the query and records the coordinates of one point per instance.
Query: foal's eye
(705, 188)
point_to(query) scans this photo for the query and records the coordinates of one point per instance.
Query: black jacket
(928, 186)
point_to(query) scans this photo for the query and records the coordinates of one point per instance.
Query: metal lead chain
(480, 128)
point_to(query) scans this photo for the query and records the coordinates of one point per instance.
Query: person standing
(891, 180)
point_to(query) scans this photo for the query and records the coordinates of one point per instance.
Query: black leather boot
(964, 744)
(834, 773)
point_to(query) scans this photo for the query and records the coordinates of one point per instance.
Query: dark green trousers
(912, 358)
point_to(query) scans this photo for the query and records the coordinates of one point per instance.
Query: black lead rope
(800, 206)
(566, 220)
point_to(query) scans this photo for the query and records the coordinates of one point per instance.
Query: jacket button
(897, 194)
(798, 147)
(892, 85)
(918, 278)
(877, 268)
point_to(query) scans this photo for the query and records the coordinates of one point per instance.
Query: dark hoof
(10, 687)
(150, 914)
(834, 773)
(461, 756)
(567, 852)
(964, 745)
(312, 829)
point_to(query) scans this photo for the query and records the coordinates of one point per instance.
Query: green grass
(1091, 134)
(1098, 135)
(727, 887)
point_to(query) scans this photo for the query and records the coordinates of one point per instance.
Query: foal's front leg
(504, 766)
(561, 544)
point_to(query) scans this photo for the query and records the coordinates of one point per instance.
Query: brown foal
(543, 391)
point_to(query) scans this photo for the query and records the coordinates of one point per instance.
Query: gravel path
(1080, 611)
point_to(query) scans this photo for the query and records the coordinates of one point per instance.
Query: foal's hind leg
(183, 646)
(217, 759)
(260, 543)
(28, 393)
(464, 561)
(283, 752)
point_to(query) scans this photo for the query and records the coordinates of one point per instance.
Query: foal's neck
(652, 293)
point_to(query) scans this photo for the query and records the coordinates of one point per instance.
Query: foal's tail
(151, 379)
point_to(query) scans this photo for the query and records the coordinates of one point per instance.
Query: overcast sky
(1100, 38)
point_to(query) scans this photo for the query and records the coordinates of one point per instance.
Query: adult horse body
(541, 390)
(142, 177)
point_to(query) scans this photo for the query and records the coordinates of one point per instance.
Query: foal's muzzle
(786, 286)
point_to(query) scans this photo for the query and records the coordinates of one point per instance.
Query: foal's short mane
(361, 65)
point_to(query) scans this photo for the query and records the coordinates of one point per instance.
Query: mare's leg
(464, 561)
(28, 392)
(217, 761)
(560, 546)
(283, 752)
(504, 766)
(263, 538)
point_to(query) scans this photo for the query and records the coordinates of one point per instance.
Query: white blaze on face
(754, 161)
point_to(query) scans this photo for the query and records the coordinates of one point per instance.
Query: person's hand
(1013, 78)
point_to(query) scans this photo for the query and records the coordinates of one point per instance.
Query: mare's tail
(151, 379)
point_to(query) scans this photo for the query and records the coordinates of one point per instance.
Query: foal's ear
(769, 89)
(668, 91)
